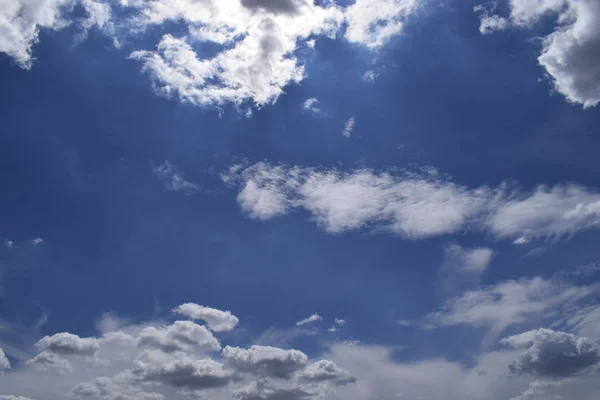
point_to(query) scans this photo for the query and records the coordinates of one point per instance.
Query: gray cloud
(68, 344)
(325, 370)
(262, 390)
(265, 360)
(275, 6)
(4, 363)
(553, 354)
(47, 361)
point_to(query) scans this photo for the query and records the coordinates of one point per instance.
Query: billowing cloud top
(216, 320)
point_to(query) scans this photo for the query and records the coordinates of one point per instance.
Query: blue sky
(297, 199)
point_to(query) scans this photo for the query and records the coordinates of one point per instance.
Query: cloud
(22, 20)
(569, 54)
(266, 360)
(4, 363)
(340, 321)
(11, 397)
(153, 361)
(180, 371)
(263, 390)
(509, 303)
(312, 105)
(37, 241)
(275, 6)
(325, 370)
(115, 388)
(47, 361)
(173, 178)
(370, 76)
(553, 354)
(258, 56)
(68, 344)
(462, 268)
(180, 336)
(373, 23)
(313, 318)
(349, 127)
(216, 320)
(412, 205)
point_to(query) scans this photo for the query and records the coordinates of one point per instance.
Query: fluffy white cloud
(373, 22)
(412, 205)
(325, 370)
(216, 320)
(266, 360)
(263, 390)
(21, 21)
(180, 336)
(309, 320)
(553, 354)
(68, 344)
(257, 60)
(4, 363)
(570, 53)
(312, 105)
(173, 178)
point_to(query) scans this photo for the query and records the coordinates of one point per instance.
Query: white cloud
(325, 370)
(180, 336)
(349, 127)
(216, 320)
(509, 303)
(413, 205)
(173, 178)
(370, 76)
(4, 363)
(312, 105)
(340, 321)
(266, 360)
(553, 354)
(569, 54)
(47, 361)
(22, 20)
(373, 22)
(257, 60)
(37, 241)
(313, 318)
(68, 344)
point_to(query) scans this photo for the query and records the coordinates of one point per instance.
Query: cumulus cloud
(349, 127)
(153, 361)
(173, 178)
(373, 23)
(180, 370)
(4, 363)
(47, 361)
(22, 20)
(216, 320)
(180, 336)
(312, 105)
(553, 354)
(570, 53)
(313, 318)
(266, 360)
(412, 205)
(68, 344)
(325, 370)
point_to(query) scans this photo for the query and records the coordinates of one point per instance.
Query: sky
(299, 199)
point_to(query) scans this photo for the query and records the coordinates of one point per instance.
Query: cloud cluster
(157, 361)
(21, 21)
(257, 41)
(553, 354)
(410, 205)
(570, 53)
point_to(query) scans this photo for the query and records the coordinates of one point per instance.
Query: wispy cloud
(349, 127)
(173, 178)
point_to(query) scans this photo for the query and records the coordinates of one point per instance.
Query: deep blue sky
(83, 131)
